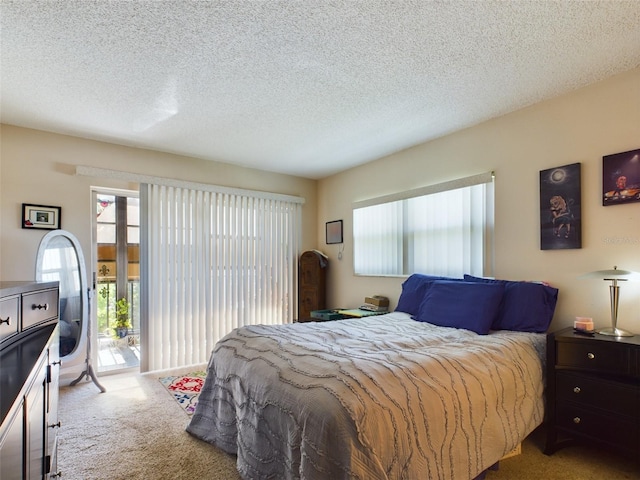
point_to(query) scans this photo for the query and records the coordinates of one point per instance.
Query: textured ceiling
(304, 87)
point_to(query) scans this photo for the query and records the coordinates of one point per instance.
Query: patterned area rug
(185, 389)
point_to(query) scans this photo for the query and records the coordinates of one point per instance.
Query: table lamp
(614, 276)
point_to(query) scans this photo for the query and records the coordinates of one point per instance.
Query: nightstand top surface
(568, 333)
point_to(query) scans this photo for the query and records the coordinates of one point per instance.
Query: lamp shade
(614, 274)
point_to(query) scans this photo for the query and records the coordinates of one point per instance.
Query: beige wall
(580, 127)
(38, 167)
(1, 201)
(583, 126)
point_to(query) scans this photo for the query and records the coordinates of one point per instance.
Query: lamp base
(615, 332)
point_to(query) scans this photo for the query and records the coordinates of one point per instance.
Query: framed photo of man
(621, 178)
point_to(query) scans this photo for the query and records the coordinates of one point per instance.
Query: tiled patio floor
(115, 354)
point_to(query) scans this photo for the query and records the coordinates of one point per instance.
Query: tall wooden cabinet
(312, 291)
(29, 372)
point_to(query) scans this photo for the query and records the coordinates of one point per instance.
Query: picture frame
(334, 232)
(560, 208)
(40, 217)
(621, 178)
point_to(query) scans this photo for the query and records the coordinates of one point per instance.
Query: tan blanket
(381, 397)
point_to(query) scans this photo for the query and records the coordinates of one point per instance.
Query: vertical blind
(444, 229)
(216, 261)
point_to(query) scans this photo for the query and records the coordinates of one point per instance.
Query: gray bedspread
(381, 397)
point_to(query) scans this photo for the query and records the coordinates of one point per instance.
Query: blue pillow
(526, 306)
(469, 305)
(413, 291)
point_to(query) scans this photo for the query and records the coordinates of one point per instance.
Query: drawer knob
(7, 320)
(590, 356)
(576, 389)
(41, 306)
(576, 420)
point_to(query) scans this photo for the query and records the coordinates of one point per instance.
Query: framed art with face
(621, 178)
(560, 209)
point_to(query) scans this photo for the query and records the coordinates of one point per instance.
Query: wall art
(560, 211)
(40, 217)
(621, 178)
(334, 232)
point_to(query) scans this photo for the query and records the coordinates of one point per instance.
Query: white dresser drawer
(9, 316)
(38, 307)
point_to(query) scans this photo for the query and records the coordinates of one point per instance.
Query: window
(444, 229)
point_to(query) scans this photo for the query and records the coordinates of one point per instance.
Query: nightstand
(338, 314)
(306, 320)
(593, 391)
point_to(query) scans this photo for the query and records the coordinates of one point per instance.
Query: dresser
(593, 391)
(312, 279)
(29, 372)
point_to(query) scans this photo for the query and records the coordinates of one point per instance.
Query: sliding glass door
(117, 280)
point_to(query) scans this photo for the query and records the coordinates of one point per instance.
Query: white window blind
(444, 229)
(216, 261)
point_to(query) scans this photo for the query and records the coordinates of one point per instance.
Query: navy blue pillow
(470, 305)
(526, 306)
(413, 291)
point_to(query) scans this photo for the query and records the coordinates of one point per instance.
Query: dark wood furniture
(312, 278)
(307, 319)
(29, 372)
(593, 391)
(316, 319)
(340, 314)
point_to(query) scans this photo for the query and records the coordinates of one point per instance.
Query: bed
(385, 397)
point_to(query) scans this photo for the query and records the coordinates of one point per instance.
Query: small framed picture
(621, 178)
(41, 217)
(334, 232)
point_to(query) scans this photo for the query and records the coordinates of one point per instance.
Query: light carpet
(135, 430)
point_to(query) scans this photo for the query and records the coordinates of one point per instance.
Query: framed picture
(621, 178)
(560, 209)
(40, 217)
(334, 232)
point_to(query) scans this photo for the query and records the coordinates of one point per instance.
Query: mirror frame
(46, 241)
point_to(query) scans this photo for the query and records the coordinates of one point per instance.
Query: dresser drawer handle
(590, 356)
(576, 389)
(7, 321)
(576, 420)
(41, 306)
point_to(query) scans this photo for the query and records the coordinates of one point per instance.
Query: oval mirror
(60, 259)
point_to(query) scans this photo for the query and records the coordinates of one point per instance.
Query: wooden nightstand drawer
(9, 317)
(615, 430)
(38, 307)
(595, 356)
(588, 391)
